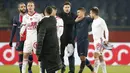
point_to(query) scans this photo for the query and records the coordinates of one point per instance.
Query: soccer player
(98, 28)
(30, 22)
(48, 46)
(82, 23)
(20, 40)
(67, 36)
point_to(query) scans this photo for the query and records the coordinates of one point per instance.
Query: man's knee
(101, 58)
(96, 55)
(26, 55)
(82, 58)
(20, 52)
(30, 58)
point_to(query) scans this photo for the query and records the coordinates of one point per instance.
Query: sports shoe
(29, 71)
(107, 46)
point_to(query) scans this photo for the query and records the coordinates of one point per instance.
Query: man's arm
(104, 26)
(23, 26)
(60, 27)
(40, 38)
(90, 20)
(13, 31)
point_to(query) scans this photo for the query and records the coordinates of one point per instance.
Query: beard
(22, 11)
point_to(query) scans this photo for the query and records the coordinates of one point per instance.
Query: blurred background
(115, 12)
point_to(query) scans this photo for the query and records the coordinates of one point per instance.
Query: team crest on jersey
(35, 45)
(30, 18)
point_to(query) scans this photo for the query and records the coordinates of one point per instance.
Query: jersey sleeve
(14, 21)
(104, 26)
(40, 38)
(60, 25)
(90, 20)
(41, 16)
(13, 29)
(23, 25)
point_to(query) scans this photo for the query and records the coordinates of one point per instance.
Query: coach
(67, 36)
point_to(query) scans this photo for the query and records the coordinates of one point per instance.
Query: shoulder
(53, 18)
(58, 18)
(37, 14)
(101, 19)
(25, 16)
(89, 18)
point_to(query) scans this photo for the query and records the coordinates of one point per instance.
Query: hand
(21, 35)
(105, 42)
(10, 44)
(78, 19)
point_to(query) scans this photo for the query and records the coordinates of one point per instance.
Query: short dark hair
(83, 9)
(20, 4)
(67, 3)
(95, 10)
(48, 10)
(54, 7)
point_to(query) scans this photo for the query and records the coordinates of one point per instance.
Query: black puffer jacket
(48, 47)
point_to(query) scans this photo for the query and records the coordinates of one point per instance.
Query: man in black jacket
(48, 47)
(67, 37)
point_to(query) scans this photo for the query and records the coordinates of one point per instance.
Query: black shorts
(20, 46)
(82, 47)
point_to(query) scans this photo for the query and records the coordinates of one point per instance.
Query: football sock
(30, 58)
(25, 62)
(82, 65)
(20, 62)
(103, 66)
(96, 65)
(89, 65)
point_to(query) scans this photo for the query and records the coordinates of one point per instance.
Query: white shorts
(30, 45)
(98, 46)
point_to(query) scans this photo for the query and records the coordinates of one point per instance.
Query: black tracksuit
(48, 47)
(67, 37)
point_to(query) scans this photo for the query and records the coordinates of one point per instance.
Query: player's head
(81, 12)
(67, 7)
(54, 11)
(48, 10)
(94, 12)
(30, 6)
(22, 7)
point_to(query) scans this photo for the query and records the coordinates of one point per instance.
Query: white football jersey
(60, 26)
(98, 28)
(30, 23)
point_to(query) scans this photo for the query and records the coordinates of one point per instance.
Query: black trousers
(52, 70)
(71, 58)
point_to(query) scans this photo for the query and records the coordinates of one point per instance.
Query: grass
(110, 69)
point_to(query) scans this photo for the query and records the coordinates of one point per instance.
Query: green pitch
(110, 69)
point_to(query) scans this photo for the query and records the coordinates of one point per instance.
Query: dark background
(115, 12)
